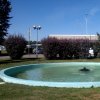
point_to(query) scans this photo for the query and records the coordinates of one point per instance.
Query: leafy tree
(98, 35)
(98, 43)
(15, 46)
(5, 9)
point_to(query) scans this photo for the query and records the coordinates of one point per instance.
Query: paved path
(25, 56)
(2, 82)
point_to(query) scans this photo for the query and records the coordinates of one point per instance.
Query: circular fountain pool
(54, 74)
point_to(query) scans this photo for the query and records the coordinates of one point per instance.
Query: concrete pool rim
(4, 74)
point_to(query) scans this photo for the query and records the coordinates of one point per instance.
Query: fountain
(84, 69)
(66, 74)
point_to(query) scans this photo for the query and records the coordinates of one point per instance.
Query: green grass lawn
(21, 92)
(4, 52)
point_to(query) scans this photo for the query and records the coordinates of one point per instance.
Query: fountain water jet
(84, 69)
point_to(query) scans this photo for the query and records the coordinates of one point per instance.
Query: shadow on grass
(3, 54)
(18, 61)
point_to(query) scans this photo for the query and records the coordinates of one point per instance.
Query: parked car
(39, 51)
(2, 47)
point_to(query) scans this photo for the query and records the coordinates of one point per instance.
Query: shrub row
(66, 48)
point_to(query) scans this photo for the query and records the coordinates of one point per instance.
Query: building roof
(90, 37)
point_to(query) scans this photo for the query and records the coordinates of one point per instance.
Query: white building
(90, 37)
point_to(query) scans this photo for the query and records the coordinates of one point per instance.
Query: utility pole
(29, 41)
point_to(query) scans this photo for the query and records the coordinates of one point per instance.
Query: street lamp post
(37, 28)
(29, 41)
(86, 22)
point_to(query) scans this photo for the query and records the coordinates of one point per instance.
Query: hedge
(66, 48)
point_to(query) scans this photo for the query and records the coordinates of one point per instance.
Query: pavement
(25, 56)
(2, 82)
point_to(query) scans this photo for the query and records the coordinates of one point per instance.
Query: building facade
(90, 37)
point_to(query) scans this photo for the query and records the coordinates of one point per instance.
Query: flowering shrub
(15, 46)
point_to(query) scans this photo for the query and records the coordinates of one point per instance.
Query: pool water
(69, 72)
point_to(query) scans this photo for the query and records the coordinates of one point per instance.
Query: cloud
(93, 11)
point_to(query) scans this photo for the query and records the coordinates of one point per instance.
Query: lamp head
(39, 27)
(34, 27)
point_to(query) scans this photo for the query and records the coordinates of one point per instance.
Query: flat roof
(71, 35)
(76, 36)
